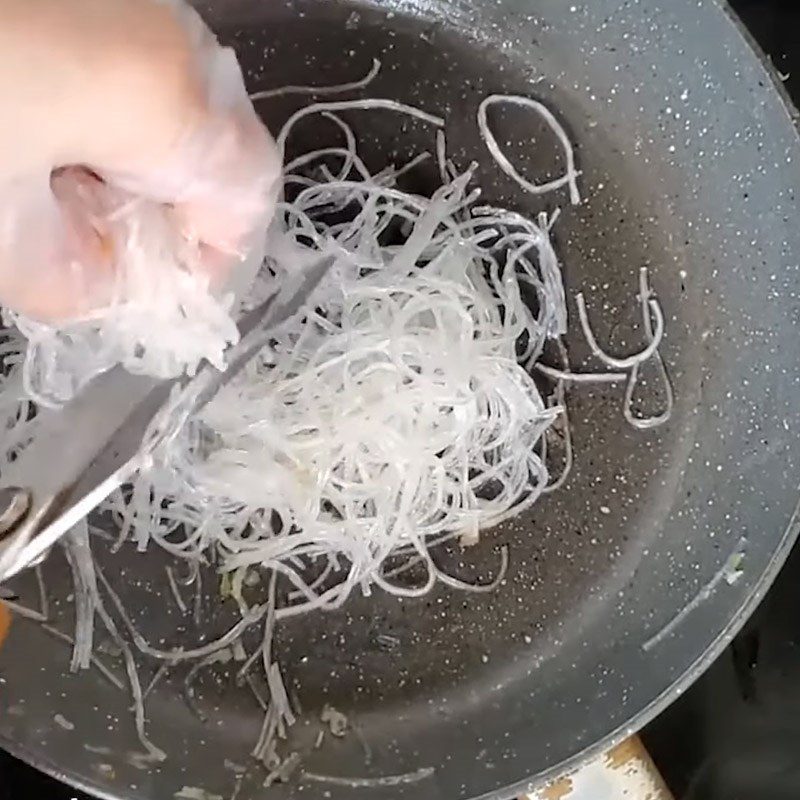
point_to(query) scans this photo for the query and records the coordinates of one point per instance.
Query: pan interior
(564, 552)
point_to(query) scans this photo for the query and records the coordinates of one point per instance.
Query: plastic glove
(142, 97)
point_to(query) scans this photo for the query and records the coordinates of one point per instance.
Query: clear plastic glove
(108, 99)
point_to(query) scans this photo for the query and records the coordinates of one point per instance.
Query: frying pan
(618, 594)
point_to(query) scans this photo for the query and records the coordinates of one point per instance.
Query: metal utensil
(92, 445)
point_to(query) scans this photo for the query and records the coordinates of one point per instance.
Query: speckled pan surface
(690, 163)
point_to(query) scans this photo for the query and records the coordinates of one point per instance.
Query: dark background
(735, 735)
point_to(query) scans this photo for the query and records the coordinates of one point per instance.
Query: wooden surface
(5, 622)
(625, 772)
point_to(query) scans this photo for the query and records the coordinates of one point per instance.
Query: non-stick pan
(625, 584)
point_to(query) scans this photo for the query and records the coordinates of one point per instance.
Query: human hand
(141, 97)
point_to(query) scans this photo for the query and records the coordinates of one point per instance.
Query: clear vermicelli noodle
(395, 412)
(407, 405)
